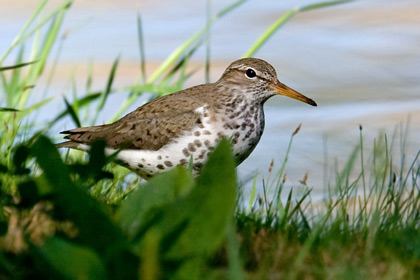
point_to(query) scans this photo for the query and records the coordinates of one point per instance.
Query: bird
(184, 127)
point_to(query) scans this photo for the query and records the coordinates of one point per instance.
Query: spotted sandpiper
(186, 125)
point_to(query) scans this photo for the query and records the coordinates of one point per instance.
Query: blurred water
(359, 61)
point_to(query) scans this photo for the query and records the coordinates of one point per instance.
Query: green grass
(366, 227)
(71, 216)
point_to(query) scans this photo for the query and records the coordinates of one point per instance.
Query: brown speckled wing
(149, 127)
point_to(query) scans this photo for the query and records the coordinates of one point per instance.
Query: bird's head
(256, 76)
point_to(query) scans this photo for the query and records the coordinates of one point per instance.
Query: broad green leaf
(73, 202)
(191, 228)
(149, 267)
(3, 169)
(159, 191)
(97, 158)
(209, 206)
(233, 251)
(189, 269)
(28, 193)
(71, 261)
(20, 156)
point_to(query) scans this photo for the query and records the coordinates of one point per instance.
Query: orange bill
(282, 89)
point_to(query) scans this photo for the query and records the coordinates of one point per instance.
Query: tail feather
(82, 135)
(84, 129)
(67, 144)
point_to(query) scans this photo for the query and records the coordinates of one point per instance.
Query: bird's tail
(67, 144)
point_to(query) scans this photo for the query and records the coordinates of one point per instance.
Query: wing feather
(149, 127)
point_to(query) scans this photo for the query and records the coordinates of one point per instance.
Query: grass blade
(36, 69)
(282, 20)
(207, 66)
(72, 113)
(252, 192)
(4, 109)
(18, 38)
(22, 37)
(4, 68)
(184, 47)
(82, 102)
(105, 93)
(141, 49)
(37, 106)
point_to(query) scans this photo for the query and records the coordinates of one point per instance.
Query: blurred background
(360, 62)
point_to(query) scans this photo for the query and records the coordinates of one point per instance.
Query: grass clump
(367, 226)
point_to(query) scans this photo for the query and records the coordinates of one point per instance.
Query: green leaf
(189, 226)
(20, 156)
(73, 203)
(97, 155)
(71, 261)
(161, 190)
(190, 269)
(28, 193)
(149, 267)
(233, 250)
(4, 226)
(3, 169)
(195, 225)
(209, 207)
(97, 161)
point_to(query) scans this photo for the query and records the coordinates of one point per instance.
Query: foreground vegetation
(68, 216)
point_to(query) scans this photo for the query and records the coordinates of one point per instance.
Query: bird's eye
(250, 73)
